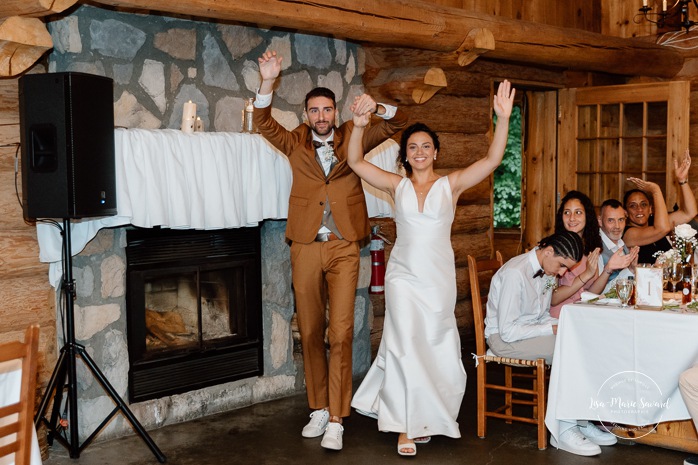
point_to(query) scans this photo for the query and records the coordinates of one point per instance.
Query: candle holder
(679, 8)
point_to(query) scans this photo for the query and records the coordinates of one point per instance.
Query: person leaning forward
(327, 220)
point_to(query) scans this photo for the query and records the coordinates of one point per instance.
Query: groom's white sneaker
(574, 442)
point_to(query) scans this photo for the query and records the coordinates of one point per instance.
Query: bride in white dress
(416, 383)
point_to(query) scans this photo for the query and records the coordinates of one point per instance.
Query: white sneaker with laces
(597, 435)
(333, 436)
(574, 442)
(317, 424)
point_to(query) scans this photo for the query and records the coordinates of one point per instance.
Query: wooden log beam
(416, 24)
(407, 85)
(22, 42)
(35, 8)
(477, 42)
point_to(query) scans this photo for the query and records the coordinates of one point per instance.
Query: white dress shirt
(518, 304)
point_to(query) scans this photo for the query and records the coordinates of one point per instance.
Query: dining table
(620, 366)
(10, 383)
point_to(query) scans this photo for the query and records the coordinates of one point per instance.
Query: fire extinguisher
(377, 249)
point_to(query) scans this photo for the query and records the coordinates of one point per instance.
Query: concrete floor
(269, 433)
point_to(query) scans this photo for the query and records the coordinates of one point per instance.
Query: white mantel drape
(204, 180)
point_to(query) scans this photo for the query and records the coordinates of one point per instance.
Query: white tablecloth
(620, 365)
(207, 180)
(10, 383)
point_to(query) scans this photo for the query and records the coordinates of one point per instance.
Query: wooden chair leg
(508, 394)
(481, 399)
(540, 397)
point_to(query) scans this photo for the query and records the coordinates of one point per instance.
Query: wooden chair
(534, 370)
(17, 419)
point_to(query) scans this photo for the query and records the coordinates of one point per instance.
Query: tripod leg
(58, 370)
(120, 403)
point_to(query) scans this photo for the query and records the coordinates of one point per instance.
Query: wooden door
(539, 168)
(610, 133)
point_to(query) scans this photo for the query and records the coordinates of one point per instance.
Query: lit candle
(644, 3)
(664, 5)
(188, 116)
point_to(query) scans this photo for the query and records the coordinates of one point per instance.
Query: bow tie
(317, 144)
(539, 273)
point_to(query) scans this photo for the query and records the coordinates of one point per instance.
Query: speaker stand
(64, 378)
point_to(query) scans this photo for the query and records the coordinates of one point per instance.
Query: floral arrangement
(685, 243)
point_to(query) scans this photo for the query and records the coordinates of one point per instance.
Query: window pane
(586, 156)
(610, 121)
(656, 155)
(608, 189)
(587, 121)
(659, 178)
(632, 155)
(609, 155)
(656, 119)
(584, 183)
(632, 119)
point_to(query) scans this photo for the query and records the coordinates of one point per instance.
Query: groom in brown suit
(327, 219)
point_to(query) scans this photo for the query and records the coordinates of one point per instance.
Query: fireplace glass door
(194, 309)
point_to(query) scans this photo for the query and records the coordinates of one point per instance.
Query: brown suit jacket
(310, 188)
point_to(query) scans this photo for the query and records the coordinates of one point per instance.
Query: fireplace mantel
(204, 180)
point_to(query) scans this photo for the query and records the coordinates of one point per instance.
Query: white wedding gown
(417, 381)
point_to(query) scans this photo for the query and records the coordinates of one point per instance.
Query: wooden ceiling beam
(22, 42)
(415, 24)
(34, 8)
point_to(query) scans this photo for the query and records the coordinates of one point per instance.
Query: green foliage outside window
(507, 177)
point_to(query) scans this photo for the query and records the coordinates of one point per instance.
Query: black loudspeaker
(67, 136)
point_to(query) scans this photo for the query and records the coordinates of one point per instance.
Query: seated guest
(518, 323)
(688, 385)
(648, 219)
(616, 260)
(576, 214)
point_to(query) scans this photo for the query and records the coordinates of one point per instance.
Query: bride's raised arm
(463, 179)
(378, 178)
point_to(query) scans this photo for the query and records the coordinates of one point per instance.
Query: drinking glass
(666, 274)
(675, 276)
(624, 288)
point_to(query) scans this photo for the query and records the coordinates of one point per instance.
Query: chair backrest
(475, 267)
(16, 418)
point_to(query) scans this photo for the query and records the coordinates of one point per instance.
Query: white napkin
(586, 296)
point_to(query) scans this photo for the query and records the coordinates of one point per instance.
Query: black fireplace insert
(194, 309)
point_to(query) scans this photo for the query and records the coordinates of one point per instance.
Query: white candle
(188, 116)
(199, 125)
(644, 2)
(664, 5)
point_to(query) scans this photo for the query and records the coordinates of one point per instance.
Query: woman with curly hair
(576, 214)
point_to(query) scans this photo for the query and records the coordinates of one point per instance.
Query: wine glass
(666, 274)
(624, 288)
(675, 276)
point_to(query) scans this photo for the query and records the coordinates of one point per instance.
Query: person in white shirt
(612, 220)
(518, 322)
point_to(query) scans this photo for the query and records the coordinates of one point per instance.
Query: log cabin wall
(577, 14)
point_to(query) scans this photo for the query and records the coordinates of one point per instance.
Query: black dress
(647, 252)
